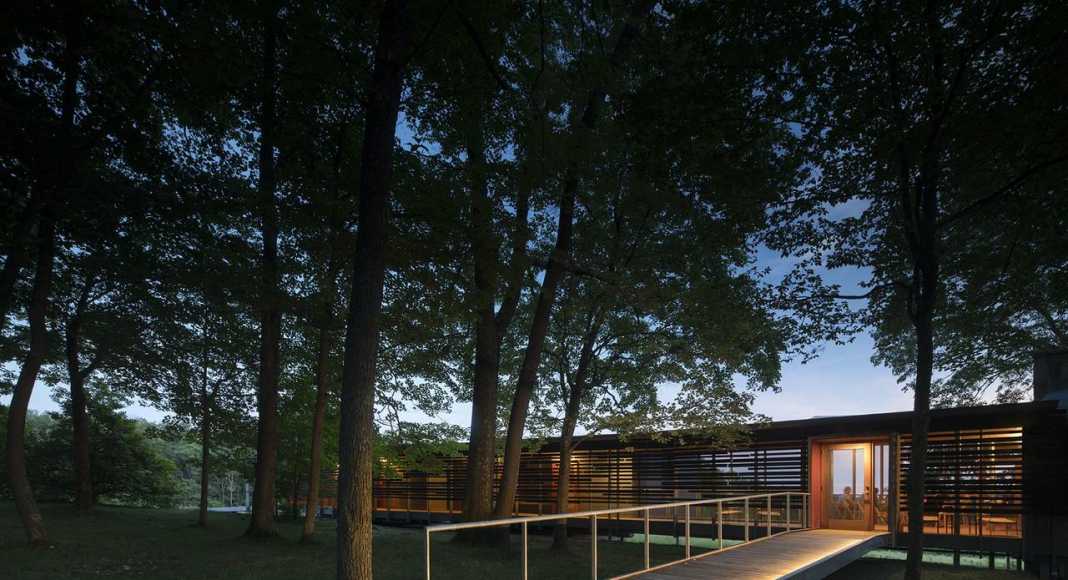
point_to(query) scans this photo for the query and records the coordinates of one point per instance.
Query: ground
(882, 569)
(120, 543)
(126, 543)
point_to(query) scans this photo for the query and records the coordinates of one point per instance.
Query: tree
(329, 77)
(1004, 302)
(890, 96)
(663, 305)
(16, 422)
(42, 284)
(325, 324)
(581, 137)
(476, 125)
(97, 119)
(99, 291)
(211, 369)
(263, 501)
(356, 440)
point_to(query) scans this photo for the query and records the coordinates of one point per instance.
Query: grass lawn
(135, 543)
(118, 543)
(884, 569)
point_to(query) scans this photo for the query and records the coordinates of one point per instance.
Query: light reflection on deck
(801, 555)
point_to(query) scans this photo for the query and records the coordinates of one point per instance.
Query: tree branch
(93, 365)
(874, 290)
(520, 235)
(424, 42)
(1051, 322)
(1003, 190)
(573, 268)
(483, 53)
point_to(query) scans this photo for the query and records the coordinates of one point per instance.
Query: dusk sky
(842, 381)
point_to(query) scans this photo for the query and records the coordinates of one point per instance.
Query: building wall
(1006, 461)
(615, 477)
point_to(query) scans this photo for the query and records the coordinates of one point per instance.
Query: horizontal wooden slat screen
(970, 471)
(623, 476)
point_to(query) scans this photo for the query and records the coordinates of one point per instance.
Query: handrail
(524, 522)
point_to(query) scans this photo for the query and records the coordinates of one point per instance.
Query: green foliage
(889, 106)
(128, 468)
(419, 447)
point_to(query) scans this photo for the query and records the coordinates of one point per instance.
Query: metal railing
(645, 510)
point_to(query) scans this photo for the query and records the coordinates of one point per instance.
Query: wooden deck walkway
(805, 555)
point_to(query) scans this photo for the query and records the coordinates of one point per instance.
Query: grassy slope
(119, 543)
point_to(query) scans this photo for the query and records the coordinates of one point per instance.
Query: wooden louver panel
(970, 471)
(625, 476)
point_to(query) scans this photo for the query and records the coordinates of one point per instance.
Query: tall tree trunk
(490, 327)
(263, 497)
(528, 373)
(921, 420)
(923, 235)
(327, 296)
(581, 137)
(355, 498)
(921, 216)
(52, 196)
(83, 496)
(83, 492)
(481, 456)
(294, 509)
(563, 482)
(571, 414)
(205, 457)
(207, 402)
(20, 400)
(315, 463)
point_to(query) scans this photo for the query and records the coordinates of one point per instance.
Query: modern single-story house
(996, 478)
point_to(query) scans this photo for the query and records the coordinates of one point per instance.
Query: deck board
(798, 555)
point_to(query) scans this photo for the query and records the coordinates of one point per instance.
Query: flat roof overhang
(874, 424)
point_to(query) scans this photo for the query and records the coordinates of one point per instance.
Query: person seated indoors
(847, 504)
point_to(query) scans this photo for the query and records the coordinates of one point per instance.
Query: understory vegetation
(138, 463)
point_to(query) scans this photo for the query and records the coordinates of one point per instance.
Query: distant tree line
(135, 463)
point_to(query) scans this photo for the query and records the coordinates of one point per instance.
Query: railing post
(593, 547)
(769, 515)
(426, 550)
(645, 518)
(719, 526)
(675, 524)
(647, 526)
(788, 494)
(687, 531)
(745, 519)
(524, 550)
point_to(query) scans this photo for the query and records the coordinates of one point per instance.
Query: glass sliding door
(847, 486)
